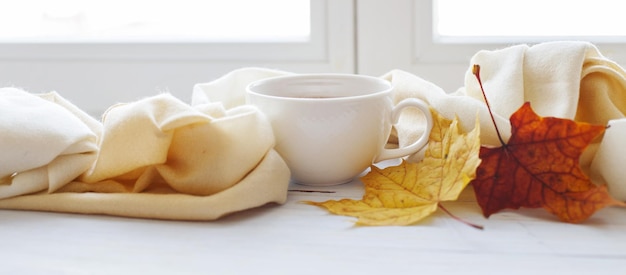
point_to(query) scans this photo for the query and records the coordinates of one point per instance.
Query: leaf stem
(459, 219)
(476, 72)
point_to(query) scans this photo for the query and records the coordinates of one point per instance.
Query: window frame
(95, 76)
(400, 35)
(315, 49)
(431, 48)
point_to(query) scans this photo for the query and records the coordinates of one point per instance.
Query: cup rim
(386, 90)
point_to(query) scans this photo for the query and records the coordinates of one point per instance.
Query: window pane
(529, 18)
(154, 20)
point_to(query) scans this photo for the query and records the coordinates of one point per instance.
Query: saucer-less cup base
(331, 127)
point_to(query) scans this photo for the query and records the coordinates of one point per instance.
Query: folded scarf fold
(154, 158)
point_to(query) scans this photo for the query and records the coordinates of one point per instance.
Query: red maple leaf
(539, 167)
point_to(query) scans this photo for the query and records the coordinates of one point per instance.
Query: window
(148, 21)
(214, 30)
(97, 53)
(480, 21)
(75, 48)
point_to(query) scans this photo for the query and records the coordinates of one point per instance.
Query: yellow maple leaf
(409, 192)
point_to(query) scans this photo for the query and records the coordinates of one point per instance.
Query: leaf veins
(539, 167)
(409, 192)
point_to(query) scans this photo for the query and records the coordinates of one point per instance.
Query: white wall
(95, 85)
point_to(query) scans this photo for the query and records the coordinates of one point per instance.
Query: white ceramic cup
(329, 128)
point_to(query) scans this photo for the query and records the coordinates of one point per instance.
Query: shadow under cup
(328, 127)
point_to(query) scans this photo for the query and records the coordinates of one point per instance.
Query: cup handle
(412, 148)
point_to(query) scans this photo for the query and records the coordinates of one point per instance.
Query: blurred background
(97, 53)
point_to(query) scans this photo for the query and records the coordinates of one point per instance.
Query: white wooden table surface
(301, 239)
